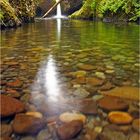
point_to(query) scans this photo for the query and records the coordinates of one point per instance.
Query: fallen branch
(51, 9)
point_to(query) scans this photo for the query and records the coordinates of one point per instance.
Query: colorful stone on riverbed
(118, 117)
(10, 106)
(126, 92)
(86, 67)
(112, 103)
(69, 130)
(35, 114)
(68, 117)
(26, 124)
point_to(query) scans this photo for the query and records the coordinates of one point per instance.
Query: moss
(85, 12)
(15, 12)
(121, 10)
(8, 15)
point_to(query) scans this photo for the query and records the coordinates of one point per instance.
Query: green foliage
(129, 9)
(13, 12)
(1, 15)
(85, 11)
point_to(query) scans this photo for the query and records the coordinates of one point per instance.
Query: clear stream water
(42, 54)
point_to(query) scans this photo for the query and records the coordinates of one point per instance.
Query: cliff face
(109, 10)
(15, 12)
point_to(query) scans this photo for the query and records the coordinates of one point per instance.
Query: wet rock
(134, 111)
(127, 92)
(134, 136)
(52, 119)
(68, 117)
(6, 138)
(118, 117)
(102, 114)
(112, 103)
(79, 80)
(28, 138)
(95, 81)
(35, 114)
(12, 93)
(2, 83)
(103, 137)
(112, 127)
(17, 83)
(98, 129)
(97, 97)
(31, 107)
(87, 106)
(90, 135)
(80, 73)
(127, 83)
(44, 135)
(26, 124)
(125, 128)
(110, 71)
(100, 75)
(12, 63)
(6, 130)
(25, 98)
(136, 125)
(91, 89)
(81, 93)
(110, 67)
(107, 86)
(82, 55)
(10, 106)
(113, 135)
(86, 67)
(76, 86)
(69, 130)
(38, 99)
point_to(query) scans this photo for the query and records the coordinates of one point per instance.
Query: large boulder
(68, 117)
(118, 117)
(69, 130)
(136, 125)
(112, 103)
(127, 92)
(6, 130)
(10, 106)
(26, 124)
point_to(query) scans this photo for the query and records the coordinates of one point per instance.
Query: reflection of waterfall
(47, 82)
(58, 29)
(51, 79)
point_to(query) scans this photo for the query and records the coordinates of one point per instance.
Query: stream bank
(109, 11)
(14, 13)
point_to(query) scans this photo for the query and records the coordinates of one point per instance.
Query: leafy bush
(129, 9)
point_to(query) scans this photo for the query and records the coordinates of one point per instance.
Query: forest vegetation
(15, 12)
(123, 10)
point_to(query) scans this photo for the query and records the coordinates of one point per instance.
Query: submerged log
(52, 8)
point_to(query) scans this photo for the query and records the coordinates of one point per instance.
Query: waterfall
(58, 14)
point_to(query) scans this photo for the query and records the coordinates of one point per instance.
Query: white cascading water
(58, 14)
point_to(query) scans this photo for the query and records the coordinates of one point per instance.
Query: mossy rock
(85, 12)
(9, 17)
